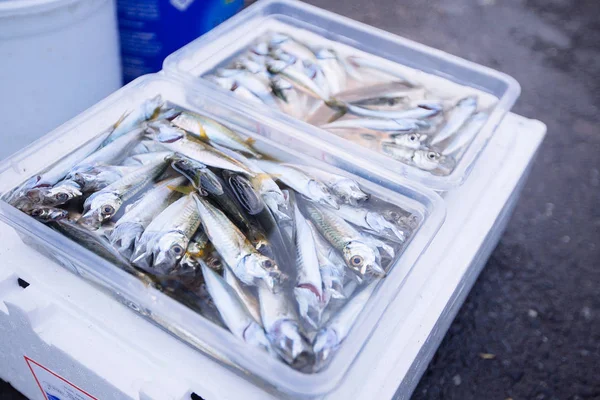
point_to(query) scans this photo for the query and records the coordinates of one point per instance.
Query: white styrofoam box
(101, 347)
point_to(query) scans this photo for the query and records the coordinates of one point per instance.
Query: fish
(372, 222)
(386, 125)
(199, 247)
(246, 195)
(233, 311)
(104, 204)
(148, 110)
(199, 175)
(210, 130)
(99, 177)
(329, 338)
(291, 100)
(129, 228)
(361, 62)
(430, 160)
(331, 266)
(291, 45)
(359, 255)
(250, 266)
(48, 214)
(333, 70)
(459, 115)
(309, 286)
(269, 190)
(282, 328)
(345, 188)
(83, 176)
(466, 134)
(427, 160)
(298, 78)
(244, 294)
(33, 191)
(145, 158)
(422, 111)
(143, 147)
(178, 141)
(165, 240)
(413, 140)
(299, 181)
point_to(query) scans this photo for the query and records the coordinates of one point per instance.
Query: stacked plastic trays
(336, 134)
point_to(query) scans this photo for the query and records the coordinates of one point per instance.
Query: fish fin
(250, 141)
(121, 118)
(182, 189)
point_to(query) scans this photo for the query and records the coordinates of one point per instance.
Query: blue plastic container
(150, 30)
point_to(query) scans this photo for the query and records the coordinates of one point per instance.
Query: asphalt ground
(530, 328)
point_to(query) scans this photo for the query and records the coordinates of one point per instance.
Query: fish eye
(108, 210)
(177, 249)
(268, 264)
(394, 214)
(357, 261)
(61, 196)
(413, 137)
(431, 155)
(37, 212)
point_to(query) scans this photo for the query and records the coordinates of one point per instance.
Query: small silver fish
(466, 134)
(177, 140)
(333, 69)
(309, 286)
(299, 181)
(362, 63)
(246, 262)
(131, 225)
(99, 177)
(299, 79)
(333, 334)
(459, 115)
(359, 255)
(331, 265)
(345, 188)
(422, 111)
(386, 125)
(148, 110)
(411, 140)
(233, 311)
(282, 328)
(48, 214)
(244, 293)
(372, 222)
(104, 204)
(165, 239)
(427, 160)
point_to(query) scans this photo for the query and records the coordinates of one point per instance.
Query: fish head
(290, 343)
(261, 49)
(96, 179)
(411, 140)
(48, 214)
(215, 262)
(125, 236)
(349, 189)
(100, 207)
(61, 193)
(165, 132)
(325, 54)
(430, 160)
(167, 252)
(245, 193)
(259, 265)
(325, 343)
(320, 193)
(363, 259)
(276, 66)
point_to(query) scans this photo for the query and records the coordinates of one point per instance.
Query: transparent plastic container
(219, 46)
(272, 138)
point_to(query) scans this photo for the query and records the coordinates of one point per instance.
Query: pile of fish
(283, 255)
(356, 98)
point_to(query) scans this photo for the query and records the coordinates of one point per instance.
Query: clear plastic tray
(273, 138)
(443, 70)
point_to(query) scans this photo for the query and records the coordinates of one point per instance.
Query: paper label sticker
(54, 386)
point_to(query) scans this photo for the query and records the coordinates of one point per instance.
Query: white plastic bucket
(57, 58)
